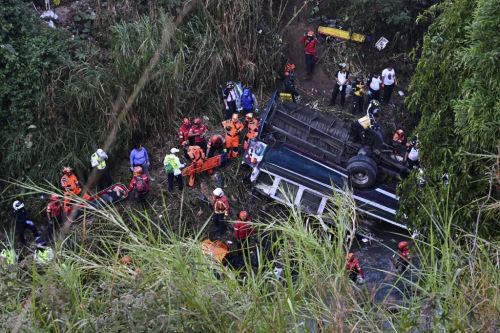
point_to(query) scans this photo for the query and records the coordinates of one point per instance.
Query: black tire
(362, 171)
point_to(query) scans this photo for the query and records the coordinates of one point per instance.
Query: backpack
(169, 168)
(140, 184)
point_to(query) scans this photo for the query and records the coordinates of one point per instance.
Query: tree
(455, 91)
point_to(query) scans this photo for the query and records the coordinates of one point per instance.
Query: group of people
(361, 87)
(198, 147)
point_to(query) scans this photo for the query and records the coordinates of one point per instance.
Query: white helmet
(101, 153)
(17, 205)
(174, 150)
(218, 192)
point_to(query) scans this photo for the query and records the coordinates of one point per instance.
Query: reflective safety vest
(171, 163)
(96, 161)
(44, 256)
(9, 256)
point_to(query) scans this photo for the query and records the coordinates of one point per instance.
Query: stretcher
(216, 250)
(100, 194)
(203, 165)
(342, 34)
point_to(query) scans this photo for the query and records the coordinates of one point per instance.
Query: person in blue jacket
(249, 102)
(139, 157)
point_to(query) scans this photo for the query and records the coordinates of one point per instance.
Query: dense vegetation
(71, 89)
(453, 91)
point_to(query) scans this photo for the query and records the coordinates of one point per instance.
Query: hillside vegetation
(62, 92)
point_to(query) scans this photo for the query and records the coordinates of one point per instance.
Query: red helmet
(289, 68)
(215, 138)
(403, 245)
(186, 121)
(243, 215)
(197, 121)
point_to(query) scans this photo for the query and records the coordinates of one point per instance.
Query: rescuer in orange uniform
(69, 182)
(221, 210)
(233, 129)
(252, 129)
(196, 155)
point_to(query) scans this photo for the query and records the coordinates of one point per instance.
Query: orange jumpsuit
(70, 183)
(233, 129)
(252, 131)
(196, 154)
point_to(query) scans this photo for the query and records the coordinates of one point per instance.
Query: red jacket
(54, 209)
(221, 205)
(133, 184)
(405, 254)
(309, 45)
(242, 229)
(354, 267)
(197, 132)
(184, 133)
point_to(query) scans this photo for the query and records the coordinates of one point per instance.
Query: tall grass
(171, 286)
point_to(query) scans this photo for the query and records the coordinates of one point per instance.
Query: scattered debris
(381, 43)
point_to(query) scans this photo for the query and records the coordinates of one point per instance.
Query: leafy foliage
(384, 17)
(30, 52)
(453, 91)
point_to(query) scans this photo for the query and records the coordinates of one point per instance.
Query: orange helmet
(197, 121)
(137, 170)
(310, 33)
(67, 170)
(403, 245)
(186, 121)
(235, 117)
(243, 215)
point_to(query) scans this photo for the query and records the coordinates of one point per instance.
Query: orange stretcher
(342, 34)
(216, 250)
(202, 166)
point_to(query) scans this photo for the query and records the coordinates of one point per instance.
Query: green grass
(173, 287)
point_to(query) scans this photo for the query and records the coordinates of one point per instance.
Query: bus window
(310, 202)
(286, 191)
